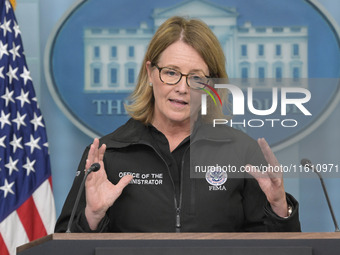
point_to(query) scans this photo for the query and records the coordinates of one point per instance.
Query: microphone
(307, 163)
(93, 168)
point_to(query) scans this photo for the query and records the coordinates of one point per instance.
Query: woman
(152, 152)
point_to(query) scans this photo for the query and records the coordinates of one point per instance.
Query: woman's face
(173, 103)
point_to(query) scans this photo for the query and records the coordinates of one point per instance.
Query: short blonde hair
(196, 34)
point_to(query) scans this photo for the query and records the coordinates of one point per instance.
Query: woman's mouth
(178, 102)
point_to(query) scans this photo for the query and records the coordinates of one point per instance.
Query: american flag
(27, 210)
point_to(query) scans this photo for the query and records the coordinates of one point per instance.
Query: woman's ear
(148, 67)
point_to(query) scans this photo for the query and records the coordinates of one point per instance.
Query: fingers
(93, 150)
(88, 164)
(272, 188)
(95, 144)
(273, 170)
(101, 152)
(267, 152)
(123, 182)
(95, 154)
(255, 172)
(263, 172)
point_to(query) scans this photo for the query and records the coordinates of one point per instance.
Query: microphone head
(94, 167)
(306, 162)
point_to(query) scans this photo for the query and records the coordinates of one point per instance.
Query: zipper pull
(178, 219)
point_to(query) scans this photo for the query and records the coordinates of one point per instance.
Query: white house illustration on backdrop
(113, 55)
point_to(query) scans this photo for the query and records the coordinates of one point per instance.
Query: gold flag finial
(13, 3)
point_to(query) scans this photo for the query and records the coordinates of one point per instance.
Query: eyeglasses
(195, 80)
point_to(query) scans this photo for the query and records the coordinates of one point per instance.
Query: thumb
(123, 182)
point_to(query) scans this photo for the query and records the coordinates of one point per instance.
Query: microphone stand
(308, 163)
(94, 168)
(328, 201)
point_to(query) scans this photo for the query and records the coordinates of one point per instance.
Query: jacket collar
(135, 132)
(203, 131)
(132, 132)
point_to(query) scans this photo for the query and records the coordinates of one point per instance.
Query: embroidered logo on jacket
(216, 177)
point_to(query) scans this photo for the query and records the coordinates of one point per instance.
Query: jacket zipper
(178, 210)
(177, 206)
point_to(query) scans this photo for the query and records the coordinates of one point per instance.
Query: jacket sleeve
(276, 223)
(79, 223)
(259, 216)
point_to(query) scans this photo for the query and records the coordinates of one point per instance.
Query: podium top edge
(182, 236)
(194, 236)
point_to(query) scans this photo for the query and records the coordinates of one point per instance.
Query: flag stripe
(26, 199)
(44, 201)
(31, 220)
(12, 227)
(3, 248)
(51, 184)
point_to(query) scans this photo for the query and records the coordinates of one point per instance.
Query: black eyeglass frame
(182, 74)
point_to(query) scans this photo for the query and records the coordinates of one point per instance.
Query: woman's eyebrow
(177, 68)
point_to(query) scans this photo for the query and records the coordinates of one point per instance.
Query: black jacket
(204, 202)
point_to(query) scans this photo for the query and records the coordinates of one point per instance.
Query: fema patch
(216, 177)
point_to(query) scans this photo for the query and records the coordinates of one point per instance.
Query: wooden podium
(185, 243)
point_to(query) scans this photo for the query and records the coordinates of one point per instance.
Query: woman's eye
(170, 73)
(196, 78)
